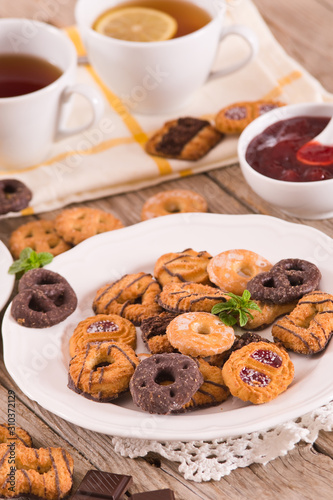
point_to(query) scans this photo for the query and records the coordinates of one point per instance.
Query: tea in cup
(37, 79)
(159, 76)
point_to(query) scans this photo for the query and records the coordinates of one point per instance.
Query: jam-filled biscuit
(102, 327)
(102, 371)
(308, 328)
(287, 281)
(173, 202)
(234, 118)
(186, 138)
(12, 433)
(212, 392)
(40, 235)
(14, 196)
(44, 299)
(190, 297)
(154, 332)
(44, 473)
(200, 334)
(231, 270)
(179, 267)
(258, 372)
(77, 224)
(165, 382)
(133, 297)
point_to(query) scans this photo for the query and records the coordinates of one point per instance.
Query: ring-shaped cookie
(13, 433)
(163, 383)
(173, 202)
(102, 371)
(14, 196)
(231, 270)
(133, 297)
(258, 372)
(102, 327)
(180, 267)
(287, 281)
(200, 334)
(44, 473)
(308, 328)
(190, 297)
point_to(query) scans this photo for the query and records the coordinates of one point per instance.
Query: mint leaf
(236, 309)
(29, 259)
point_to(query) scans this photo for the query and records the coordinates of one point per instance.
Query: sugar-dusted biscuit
(77, 224)
(40, 235)
(173, 202)
(185, 138)
(309, 326)
(258, 372)
(234, 118)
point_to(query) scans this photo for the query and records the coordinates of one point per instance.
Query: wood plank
(57, 12)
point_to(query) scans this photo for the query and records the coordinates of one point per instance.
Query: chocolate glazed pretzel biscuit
(14, 196)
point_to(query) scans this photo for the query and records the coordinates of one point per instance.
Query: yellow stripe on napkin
(282, 82)
(133, 126)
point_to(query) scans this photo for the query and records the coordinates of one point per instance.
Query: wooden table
(303, 27)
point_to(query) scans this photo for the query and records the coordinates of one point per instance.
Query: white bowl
(308, 200)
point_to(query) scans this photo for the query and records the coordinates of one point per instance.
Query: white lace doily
(206, 460)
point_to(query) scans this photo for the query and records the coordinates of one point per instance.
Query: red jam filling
(274, 152)
(254, 378)
(267, 358)
(102, 326)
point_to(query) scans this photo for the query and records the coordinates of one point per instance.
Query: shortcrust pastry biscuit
(258, 372)
(40, 235)
(190, 297)
(77, 224)
(173, 202)
(234, 118)
(44, 473)
(308, 328)
(133, 297)
(185, 138)
(179, 267)
(102, 327)
(14, 433)
(102, 371)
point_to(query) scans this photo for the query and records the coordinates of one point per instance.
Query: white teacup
(157, 77)
(32, 122)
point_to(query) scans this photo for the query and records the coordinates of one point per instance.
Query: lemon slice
(137, 24)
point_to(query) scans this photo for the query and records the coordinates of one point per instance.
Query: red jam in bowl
(273, 152)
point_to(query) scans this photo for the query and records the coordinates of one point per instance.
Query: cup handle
(97, 106)
(250, 37)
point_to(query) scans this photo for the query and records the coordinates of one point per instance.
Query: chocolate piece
(165, 382)
(154, 495)
(45, 299)
(156, 325)
(97, 484)
(177, 137)
(287, 281)
(14, 196)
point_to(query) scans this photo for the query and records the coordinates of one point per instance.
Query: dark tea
(189, 16)
(22, 74)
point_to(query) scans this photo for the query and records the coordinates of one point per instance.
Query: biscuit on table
(234, 118)
(185, 139)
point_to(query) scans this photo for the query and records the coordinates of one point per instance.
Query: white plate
(6, 280)
(38, 359)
